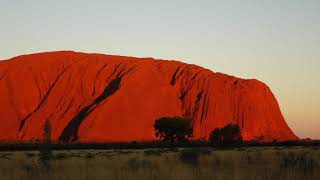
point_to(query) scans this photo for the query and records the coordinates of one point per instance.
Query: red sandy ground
(104, 98)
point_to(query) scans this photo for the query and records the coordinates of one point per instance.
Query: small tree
(173, 129)
(229, 135)
(47, 132)
(216, 138)
(45, 148)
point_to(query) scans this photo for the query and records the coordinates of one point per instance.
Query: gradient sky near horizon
(275, 41)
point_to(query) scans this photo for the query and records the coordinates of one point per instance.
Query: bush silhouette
(173, 129)
(45, 148)
(230, 135)
(47, 132)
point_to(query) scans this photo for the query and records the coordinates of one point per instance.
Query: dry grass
(185, 164)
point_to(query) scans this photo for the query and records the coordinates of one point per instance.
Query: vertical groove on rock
(70, 132)
(67, 109)
(204, 106)
(37, 83)
(192, 92)
(23, 121)
(174, 76)
(197, 103)
(95, 80)
(4, 75)
(242, 125)
(83, 72)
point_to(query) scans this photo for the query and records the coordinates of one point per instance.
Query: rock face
(103, 98)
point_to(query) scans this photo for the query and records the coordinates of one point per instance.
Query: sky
(275, 41)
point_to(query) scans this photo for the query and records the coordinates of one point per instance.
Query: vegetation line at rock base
(23, 146)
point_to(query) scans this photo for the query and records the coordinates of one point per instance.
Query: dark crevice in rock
(67, 91)
(189, 81)
(173, 79)
(183, 95)
(97, 76)
(23, 121)
(177, 74)
(4, 75)
(67, 109)
(197, 103)
(204, 107)
(83, 73)
(70, 132)
(196, 75)
(242, 121)
(36, 81)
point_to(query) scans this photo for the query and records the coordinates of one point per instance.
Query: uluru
(106, 98)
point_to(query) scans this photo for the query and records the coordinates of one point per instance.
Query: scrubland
(164, 164)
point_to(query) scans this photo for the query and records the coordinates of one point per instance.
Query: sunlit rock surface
(104, 98)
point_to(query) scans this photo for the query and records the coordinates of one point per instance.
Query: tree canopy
(173, 129)
(229, 135)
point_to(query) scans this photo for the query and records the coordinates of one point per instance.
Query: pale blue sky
(275, 41)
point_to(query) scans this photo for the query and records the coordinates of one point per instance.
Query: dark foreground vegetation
(245, 163)
(173, 129)
(224, 156)
(23, 146)
(173, 132)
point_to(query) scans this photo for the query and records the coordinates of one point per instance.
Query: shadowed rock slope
(104, 98)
